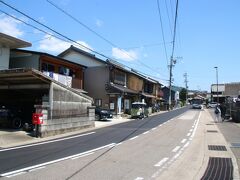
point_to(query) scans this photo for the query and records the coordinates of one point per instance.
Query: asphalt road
(25, 159)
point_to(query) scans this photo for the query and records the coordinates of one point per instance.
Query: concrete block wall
(67, 112)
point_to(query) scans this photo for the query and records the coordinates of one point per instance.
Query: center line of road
(23, 170)
(139, 178)
(176, 149)
(160, 163)
(183, 141)
(46, 142)
(133, 138)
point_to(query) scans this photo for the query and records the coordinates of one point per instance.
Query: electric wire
(51, 29)
(160, 18)
(79, 22)
(97, 34)
(45, 32)
(169, 21)
(52, 35)
(64, 36)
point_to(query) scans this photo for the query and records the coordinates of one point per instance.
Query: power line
(45, 32)
(69, 39)
(81, 23)
(100, 36)
(160, 18)
(169, 21)
(139, 47)
(64, 36)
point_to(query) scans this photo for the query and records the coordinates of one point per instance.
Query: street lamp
(217, 82)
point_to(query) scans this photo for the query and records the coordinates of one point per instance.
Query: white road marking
(186, 145)
(119, 144)
(35, 169)
(139, 178)
(183, 141)
(195, 128)
(133, 138)
(160, 163)
(77, 157)
(190, 130)
(176, 149)
(188, 134)
(146, 132)
(46, 142)
(160, 125)
(54, 161)
(154, 129)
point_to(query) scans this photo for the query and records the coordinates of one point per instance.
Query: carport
(64, 108)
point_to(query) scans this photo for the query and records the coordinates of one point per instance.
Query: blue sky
(208, 34)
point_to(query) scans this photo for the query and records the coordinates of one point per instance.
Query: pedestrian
(218, 117)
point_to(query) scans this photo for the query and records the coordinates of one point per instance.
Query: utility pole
(217, 83)
(172, 61)
(186, 85)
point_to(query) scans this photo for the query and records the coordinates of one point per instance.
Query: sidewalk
(193, 162)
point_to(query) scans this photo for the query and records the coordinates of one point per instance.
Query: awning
(12, 42)
(29, 79)
(148, 95)
(111, 88)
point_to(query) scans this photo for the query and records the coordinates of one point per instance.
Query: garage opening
(17, 106)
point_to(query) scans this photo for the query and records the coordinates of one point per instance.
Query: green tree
(182, 94)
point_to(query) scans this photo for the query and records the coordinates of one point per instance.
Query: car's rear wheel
(17, 123)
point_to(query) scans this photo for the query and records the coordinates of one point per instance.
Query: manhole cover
(217, 148)
(221, 168)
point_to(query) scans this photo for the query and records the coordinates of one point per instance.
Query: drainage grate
(219, 168)
(212, 131)
(235, 145)
(217, 148)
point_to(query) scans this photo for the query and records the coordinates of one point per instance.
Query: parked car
(102, 114)
(139, 110)
(212, 105)
(11, 117)
(16, 117)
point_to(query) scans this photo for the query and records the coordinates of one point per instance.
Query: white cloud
(10, 26)
(54, 45)
(99, 23)
(124, 55)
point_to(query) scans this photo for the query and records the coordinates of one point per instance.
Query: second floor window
(148, 87)
(47, 67)
(119, 78)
